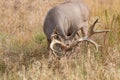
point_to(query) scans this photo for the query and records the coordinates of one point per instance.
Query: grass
(23, 46)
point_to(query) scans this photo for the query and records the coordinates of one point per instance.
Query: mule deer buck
(63, 22)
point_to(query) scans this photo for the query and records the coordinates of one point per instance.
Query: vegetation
(23, 46)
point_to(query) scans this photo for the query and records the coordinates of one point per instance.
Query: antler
(91, 29)
(55, 41)
(91, 32)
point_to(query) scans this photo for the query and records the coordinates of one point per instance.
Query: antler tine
(55, 41)
(91, 41)
(91, 30)
(85, 39)
(94, 43)
(52, 47)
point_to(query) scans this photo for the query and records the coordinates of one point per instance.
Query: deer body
(65, 20)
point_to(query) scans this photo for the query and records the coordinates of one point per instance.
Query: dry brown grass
(23, 43)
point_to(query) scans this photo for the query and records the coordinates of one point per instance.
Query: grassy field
(23, 45)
